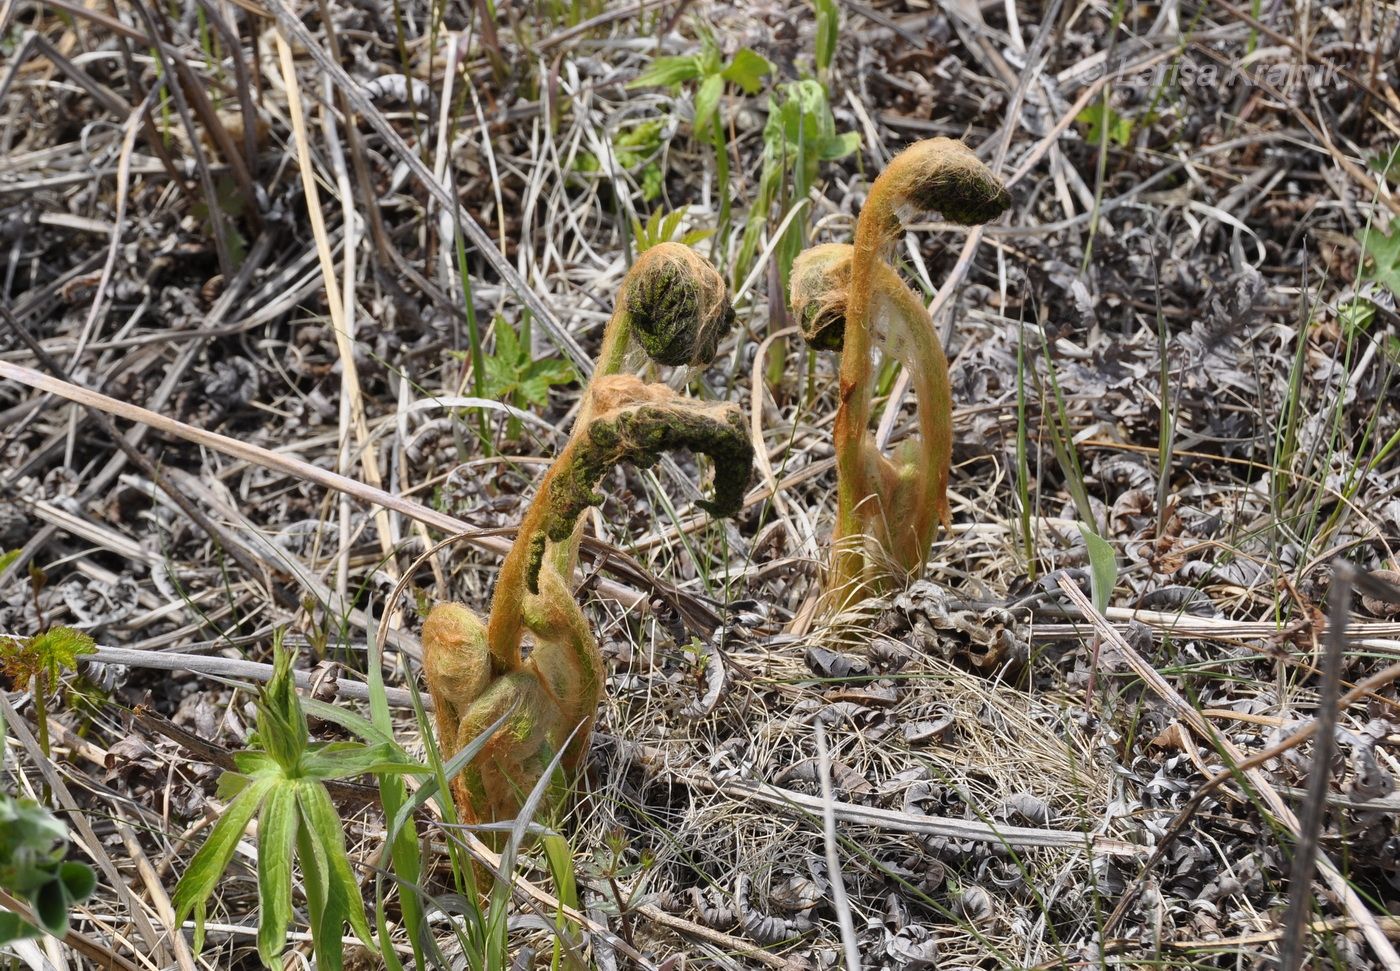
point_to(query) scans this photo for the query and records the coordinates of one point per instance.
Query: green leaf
(321, 819)
(277, 831)
(1103, 567)
(747, 70)
(1386, 164)
(1384, 252)
(837, 146)
(1100, 116)
(350, 721)
(668, 71)
(14, 929)
(325, 916)
(346, 760)
(6, 558)
(78, 880)
(60, 647)
(828, 25)
(282, 728)
(209, 864)
(707, 102)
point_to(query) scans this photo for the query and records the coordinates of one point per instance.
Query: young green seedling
(673, 305)
(849, 298)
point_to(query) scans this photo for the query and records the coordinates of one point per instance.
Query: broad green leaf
(324, 916)
(837, 146)
(254, 763)
(78, 880)
(277, 832)
(14, 929)
(212, 859)
(668, 71)
(707, 102)
(346, 760)
(320, 817)
(1100, 120)
(59, 649)
(747, 70)
(1103, 567)
(1384, 253)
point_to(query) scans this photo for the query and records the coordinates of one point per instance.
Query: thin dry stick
(344, 336)
(839, 900)
(1351, 902)
(1292, 947)
(288, 22)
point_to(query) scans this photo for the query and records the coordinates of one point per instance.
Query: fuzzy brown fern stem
(941, 175)
(673, 305)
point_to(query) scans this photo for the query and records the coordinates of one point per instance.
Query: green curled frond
(945, 176)
(677, 305)
(819, 292)
(635, 422)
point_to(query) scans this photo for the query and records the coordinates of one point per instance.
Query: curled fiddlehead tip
(635, 422)
(943, 175)
(821, 279)
(677, 305)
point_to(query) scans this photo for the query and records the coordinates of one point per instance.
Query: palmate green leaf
(1384, 251)
(345, 760)
(208, 865)
(318, 815)
(747, 70)
(58, 649)
(277, 831)
(668, 71)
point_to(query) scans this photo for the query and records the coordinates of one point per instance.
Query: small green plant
(1102, 121)
(635, 149)
(664, 227)
(281, 781)
(1382, 251)
(42, 659)
(799, 136)
(513, 375)
(33, 844)
(848, 297)
(745, 70)
(673, 305)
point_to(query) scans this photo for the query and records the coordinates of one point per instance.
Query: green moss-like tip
(664, 307)
(823, 327)
(639, 436)
(968, 195)
(534, 560)
(677, 307)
